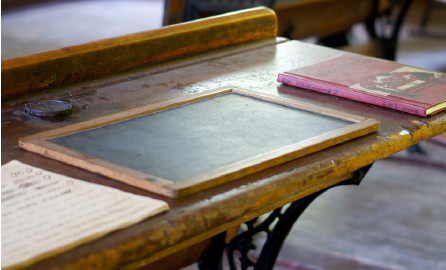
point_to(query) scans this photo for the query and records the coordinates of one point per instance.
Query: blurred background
(396, 218)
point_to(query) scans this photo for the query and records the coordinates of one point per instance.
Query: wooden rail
(36, 72)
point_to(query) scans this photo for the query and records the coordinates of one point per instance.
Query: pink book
(374, 81)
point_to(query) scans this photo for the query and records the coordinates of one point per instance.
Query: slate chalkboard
(184, 145)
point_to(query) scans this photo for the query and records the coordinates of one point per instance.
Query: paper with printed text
(45, 213)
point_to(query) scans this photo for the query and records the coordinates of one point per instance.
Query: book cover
(375, 81)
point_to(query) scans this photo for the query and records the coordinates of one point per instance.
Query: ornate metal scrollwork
(243, 242)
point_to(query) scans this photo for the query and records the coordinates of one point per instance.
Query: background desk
(253, 65)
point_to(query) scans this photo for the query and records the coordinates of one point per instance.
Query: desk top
(252, 65)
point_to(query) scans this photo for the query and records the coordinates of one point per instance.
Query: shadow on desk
(393, 220)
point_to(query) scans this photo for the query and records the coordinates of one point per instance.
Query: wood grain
(36, 72)
(173, 12)
(192, 219)
(38, 143)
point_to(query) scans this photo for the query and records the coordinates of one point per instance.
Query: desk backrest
(36, 72)
(319, 18)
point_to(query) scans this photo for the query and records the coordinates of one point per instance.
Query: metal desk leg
(211, 259)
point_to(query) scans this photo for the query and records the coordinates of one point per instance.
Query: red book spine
(353, 95)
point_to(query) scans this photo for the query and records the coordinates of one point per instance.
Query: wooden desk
(249, 64)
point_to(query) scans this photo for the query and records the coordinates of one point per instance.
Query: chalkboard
(189, 144)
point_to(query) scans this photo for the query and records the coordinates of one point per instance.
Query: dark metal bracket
(390, 24)
(212, 257)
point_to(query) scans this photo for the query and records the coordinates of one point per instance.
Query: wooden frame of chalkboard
(42, 143)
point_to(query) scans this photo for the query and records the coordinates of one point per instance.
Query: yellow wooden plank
(36, 72)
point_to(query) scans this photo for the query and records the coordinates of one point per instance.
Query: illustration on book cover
(375, 81)
(405, 82)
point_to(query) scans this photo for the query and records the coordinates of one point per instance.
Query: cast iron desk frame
(212, 257)
(195, 218)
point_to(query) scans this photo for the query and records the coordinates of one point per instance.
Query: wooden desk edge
(208, 234)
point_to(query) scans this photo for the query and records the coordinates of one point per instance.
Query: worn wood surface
(198, 217)
(393, 220)
(276, 134)
(40, 71)
(300, 19)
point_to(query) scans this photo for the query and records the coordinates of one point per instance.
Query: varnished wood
(180, 258)
(195, 218)
(39, 144)
(186, 256)
(36, 72)
(398, 203)
(173, 12)
(350, 13)
(302, 19)
(300, 192)
(309, 18)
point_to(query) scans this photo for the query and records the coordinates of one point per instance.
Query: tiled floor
(394, 220)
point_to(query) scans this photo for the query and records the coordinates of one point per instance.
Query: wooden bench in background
(114, 75)
(300, 19)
